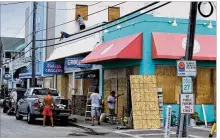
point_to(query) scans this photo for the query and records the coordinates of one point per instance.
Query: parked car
(8, 101)
(31, 105)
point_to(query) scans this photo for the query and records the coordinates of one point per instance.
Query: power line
(68, 9)
(109, 26)
(13, 3)
(104, 23)
(75, 20)
(106, 27)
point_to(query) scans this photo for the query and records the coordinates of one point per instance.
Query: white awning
(75, 47)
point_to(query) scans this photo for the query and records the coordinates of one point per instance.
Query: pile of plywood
(144, 102)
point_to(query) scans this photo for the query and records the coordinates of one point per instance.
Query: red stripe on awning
(170, 46)
(129, 47)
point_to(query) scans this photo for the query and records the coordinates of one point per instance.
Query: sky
(12, 19)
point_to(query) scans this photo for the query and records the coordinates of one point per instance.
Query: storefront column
(73, 83)
(55, 81)
(28, 83)
(81, 87)
(101, 78)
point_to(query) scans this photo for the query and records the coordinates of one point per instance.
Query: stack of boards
(145, 106)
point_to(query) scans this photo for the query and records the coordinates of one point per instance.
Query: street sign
(187, 104)
(7, 76)
(187, 85)
(186, 68)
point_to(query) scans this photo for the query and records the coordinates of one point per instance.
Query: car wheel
(30, 117)
(17, 115)
(5, 110)
(64, 120)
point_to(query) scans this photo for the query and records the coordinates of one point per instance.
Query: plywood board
(144, 102)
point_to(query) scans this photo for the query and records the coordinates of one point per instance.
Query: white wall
(68, 15)
(181, 10)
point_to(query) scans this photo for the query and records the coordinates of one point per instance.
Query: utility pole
(183, 124)
(34, 45)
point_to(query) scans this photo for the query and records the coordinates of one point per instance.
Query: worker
(111, 104)
(64, 35)
(81, 22)
(48, 105)
(95, 106)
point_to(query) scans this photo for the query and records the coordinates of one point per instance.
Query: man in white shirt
(95, 103)
(13, 97)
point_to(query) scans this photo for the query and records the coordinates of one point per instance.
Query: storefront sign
(168, 122)
(53, 68)
(187, 85)
(186, 68)
(75, 63)
(86, 76)
(187, 104)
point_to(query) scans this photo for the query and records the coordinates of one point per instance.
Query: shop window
(113, 13)
(6, 70)
(7, 54)
(82, 10)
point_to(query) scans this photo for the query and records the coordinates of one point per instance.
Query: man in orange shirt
(48, 101)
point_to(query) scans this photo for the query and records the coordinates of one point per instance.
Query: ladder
(88, 115)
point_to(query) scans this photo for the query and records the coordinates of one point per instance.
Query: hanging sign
(53, 68)
(187, 104)
(186, 68)
(75, 63)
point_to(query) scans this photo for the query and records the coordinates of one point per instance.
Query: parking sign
(187, 86)
(186, 68)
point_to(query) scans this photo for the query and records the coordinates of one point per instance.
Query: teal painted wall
(209, 109)
(148, 24)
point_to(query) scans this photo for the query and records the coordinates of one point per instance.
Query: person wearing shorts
(48, 100)
(95, 106)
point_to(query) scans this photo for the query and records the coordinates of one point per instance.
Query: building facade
(161, 44)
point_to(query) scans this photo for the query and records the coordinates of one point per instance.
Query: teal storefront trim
(209, 109)
(147, 24)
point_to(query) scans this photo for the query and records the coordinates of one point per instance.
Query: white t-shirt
(112, 99)
(14, 96)
(95, 99)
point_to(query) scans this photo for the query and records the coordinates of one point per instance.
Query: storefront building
(160, 44)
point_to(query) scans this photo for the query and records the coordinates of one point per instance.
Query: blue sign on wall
(75, 63)
(53, 68)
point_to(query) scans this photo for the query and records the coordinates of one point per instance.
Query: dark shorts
(112, 112)
(82, 26)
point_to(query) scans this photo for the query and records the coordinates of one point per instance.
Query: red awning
(172, 46)
(129, 47)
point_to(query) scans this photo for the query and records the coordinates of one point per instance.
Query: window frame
(113, 8)
(76, 15)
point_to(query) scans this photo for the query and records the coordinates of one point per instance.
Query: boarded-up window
(82, 10)
(113, 13)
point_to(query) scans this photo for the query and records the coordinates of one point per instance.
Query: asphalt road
(12, 128)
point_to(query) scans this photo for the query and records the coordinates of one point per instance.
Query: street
(12, 128)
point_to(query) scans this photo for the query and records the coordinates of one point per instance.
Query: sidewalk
(103, 128)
